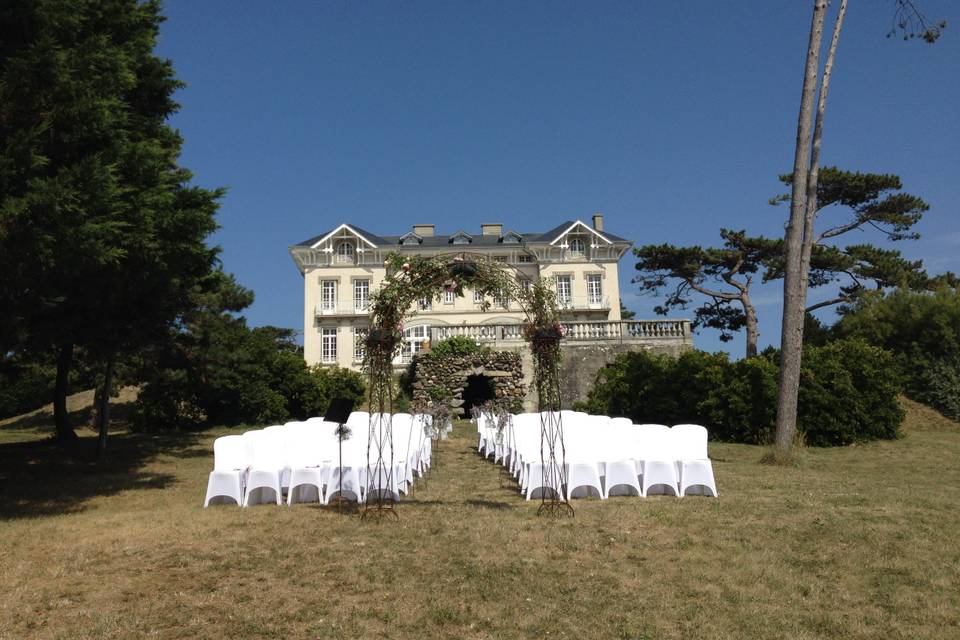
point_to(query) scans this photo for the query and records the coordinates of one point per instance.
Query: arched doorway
(479, 389)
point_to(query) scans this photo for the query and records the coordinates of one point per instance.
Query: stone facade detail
(504, 369)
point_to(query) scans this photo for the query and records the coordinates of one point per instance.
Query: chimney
(491, 229)
(423, 230)
(598, 221)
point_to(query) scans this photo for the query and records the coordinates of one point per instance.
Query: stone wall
(582, 361)
(503, 368)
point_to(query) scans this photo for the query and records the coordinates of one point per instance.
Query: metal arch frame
(380, 435)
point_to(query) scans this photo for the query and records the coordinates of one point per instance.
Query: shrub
(939, 387)
(922, 330)
(237, 375)
(455, 346)
(848, 393)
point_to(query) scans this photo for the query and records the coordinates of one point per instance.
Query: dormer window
(511, 238)
(461, 238)
(576, 247)
(345, 253)
(410, 238)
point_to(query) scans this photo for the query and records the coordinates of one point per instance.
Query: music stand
(338, 412)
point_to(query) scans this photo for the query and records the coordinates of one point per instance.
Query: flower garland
(413, 278)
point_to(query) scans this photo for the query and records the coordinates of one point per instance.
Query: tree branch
(836, 231)
(827, 303)
(715, 294)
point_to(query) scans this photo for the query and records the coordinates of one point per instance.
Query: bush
(27, 381)
(848, 393)
(236, 375)
(455, 346)
(939, 387)
(922, 330)
(24, 387)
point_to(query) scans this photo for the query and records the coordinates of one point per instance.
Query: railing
(583, 304)
(336, 308)
(622, 331)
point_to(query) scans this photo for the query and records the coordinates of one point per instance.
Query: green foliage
(718, 279)
(848, 393)
(439, 394)
(27, 379)
(24, 386)
(454, 346)
(922, 330)
(102, 236)
(243, 376)
(216, 370)
(940, 387)
(722, 275)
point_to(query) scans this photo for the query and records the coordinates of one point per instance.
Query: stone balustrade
(626, 331)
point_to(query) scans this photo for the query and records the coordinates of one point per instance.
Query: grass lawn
(858, 542)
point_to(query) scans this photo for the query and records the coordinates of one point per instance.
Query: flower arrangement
(497, 414)
(554, 331)
(413, 278)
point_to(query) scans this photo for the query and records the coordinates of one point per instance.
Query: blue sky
(673, 119)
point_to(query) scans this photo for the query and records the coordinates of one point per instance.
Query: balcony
(590, 303)
(335, 308)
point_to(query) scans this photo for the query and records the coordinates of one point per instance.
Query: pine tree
(101, 235)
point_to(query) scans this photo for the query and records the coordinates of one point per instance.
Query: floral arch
(412, 278)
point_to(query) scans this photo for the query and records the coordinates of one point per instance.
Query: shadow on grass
(42, 420)
(488, 504)
(42, 477)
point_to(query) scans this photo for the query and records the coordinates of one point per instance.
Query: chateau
(343, 266)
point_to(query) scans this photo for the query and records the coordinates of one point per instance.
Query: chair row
(600, 455)
(305, 461)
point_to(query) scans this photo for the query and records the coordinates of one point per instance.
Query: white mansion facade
(342, 267)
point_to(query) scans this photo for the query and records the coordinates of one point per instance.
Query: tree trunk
(95, 409)
(753, 332)
(799, 245)
(61, 419)
(791, 334)
(813, 178)
(105, 410)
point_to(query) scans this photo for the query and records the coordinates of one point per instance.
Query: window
(477, 297)
(501, 300)
(594, 289)
(499, 258)
(345, 253)
(576, 247)
(361, 294)
(526, 284)
(460, 238)
(449, 296)
(425, 304)
(328, 295)
(524, 258)
(328, 344)
(563, 291)
(413, 341)
(511, 238)
(359, 343)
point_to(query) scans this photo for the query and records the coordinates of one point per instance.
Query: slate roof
(478, 240)
(366, 235)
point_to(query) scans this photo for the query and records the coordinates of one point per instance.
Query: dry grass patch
(857, 542)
